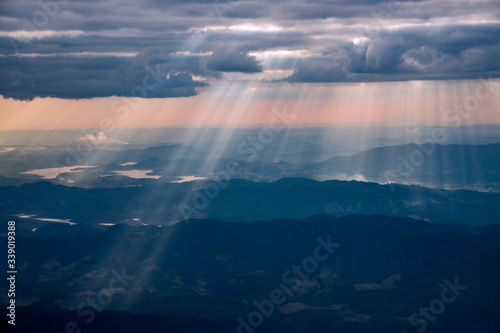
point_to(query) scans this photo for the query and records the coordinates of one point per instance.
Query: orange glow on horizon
(232, 105)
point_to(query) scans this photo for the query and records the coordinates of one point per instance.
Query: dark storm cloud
(87, 77)
(53, 48)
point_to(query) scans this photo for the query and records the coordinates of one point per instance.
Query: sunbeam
(250, 166)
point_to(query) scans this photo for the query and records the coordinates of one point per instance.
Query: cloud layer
(153, 48)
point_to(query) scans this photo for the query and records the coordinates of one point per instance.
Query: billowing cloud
(233, 60)
(453, 52)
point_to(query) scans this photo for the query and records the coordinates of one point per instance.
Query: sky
(79, 64)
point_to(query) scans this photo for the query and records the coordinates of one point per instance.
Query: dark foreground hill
(239, 200)
(320, 274)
